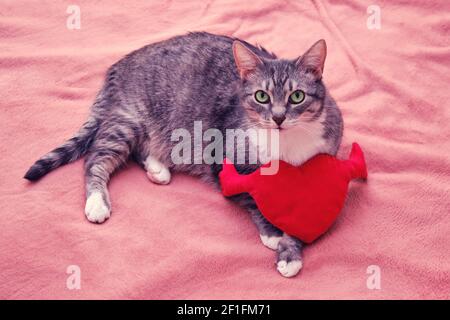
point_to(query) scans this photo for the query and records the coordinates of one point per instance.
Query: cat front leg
(289, 249)
(289, 256)
(269, 234)
(157, 172)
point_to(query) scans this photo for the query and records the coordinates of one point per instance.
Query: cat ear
(314, 59)
(246, 60)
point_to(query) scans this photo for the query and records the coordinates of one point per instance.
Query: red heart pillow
(302, 201)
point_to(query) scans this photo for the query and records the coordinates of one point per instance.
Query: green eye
(262, 97)
(297, 97)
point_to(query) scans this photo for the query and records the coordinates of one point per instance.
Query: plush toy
(302, 201)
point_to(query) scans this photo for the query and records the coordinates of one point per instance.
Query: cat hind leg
(106, 154)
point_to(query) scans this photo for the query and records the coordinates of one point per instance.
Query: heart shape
(302, 201)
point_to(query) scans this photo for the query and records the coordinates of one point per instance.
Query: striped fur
(168, 85)
(70, 151)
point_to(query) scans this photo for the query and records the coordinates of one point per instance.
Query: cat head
(279, 93)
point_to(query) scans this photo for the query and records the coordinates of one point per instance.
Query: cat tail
(69, 151)
(357, 162)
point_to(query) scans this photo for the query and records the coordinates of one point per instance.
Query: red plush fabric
(302, 201)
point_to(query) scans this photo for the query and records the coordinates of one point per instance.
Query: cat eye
(297, 97)
(262, 96)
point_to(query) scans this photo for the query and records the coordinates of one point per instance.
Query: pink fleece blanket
(185, 240)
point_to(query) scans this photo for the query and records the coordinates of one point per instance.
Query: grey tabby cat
(221, 81)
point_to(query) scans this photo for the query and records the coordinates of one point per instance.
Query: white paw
(162, 177)
(270, 242)
(289, 269)
(96, 210)
(156, 171)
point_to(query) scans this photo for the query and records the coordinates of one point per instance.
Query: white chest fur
(298, 144)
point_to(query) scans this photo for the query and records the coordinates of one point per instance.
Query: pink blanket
(185, 240)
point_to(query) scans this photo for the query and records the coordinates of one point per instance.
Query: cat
(225, 83)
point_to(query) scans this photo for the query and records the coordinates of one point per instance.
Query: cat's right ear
(246, 60)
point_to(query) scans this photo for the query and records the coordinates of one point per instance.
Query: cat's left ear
(246, 60)
(314, 59)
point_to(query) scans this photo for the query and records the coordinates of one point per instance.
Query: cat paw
(96, 209)
(162, 177)
(289, 261)
(289, 269)
(156, 171)
(270, 242)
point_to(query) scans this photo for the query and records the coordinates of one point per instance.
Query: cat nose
(279, 119)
